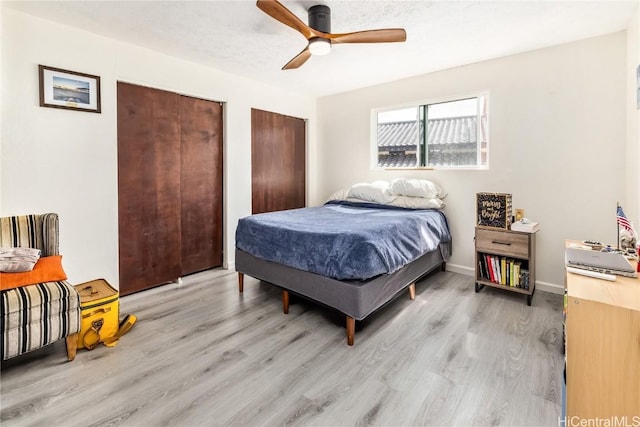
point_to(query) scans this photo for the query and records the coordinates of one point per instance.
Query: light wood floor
(202, 355)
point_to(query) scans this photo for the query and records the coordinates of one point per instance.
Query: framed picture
(69, 89)
(493, 210)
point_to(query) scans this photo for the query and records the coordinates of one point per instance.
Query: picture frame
(70, 90)
(494, 210)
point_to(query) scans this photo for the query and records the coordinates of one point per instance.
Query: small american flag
(623, 221)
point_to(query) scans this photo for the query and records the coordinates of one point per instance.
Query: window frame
(421, 108)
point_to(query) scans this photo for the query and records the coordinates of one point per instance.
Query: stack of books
(503, 271)
(525, 226)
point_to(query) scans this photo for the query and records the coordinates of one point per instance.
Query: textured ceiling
(236, 37)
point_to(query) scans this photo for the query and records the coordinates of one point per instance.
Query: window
(450, 134)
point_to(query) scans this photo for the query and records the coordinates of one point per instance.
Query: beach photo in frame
(69, 89)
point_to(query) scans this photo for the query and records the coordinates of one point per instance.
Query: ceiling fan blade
(277, 11)
(371, 36)
(299, 59)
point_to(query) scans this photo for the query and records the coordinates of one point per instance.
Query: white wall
(64, 161)
(558, 138)
(562, 122)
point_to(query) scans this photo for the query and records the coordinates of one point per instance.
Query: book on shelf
(511, 278)
(492, 275)
(524, 279)
(526, 227)
(503, 270)
(496, 269)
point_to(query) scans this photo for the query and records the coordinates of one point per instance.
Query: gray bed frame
(355, 298)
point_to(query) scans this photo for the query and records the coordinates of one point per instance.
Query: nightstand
(505, 260)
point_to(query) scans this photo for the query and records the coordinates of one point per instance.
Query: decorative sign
(493, 210)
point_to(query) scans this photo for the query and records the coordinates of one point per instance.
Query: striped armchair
(37, 315)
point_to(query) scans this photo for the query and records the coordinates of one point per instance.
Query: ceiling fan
(318, 32)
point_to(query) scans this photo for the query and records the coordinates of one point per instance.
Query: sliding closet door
(201, 184)
(148, 187)
(278, 159)
(169, 186)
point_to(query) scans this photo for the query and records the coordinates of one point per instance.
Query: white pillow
(339, 195)
(417, 188)
(417, 203)
(377, 192)
(18, 259)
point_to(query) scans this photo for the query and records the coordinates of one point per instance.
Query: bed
(351, 254)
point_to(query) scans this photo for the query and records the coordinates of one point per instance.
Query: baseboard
(540, 286)
(179, 283)
(550, 287)
(462, 269)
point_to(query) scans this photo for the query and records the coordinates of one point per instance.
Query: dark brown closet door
(201, 184)
(148, 187)
(277, 161)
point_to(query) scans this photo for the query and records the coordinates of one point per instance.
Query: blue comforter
(344, 240)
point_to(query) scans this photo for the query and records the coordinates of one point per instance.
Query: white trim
(461, 269)
(550, 287)
(541, 286)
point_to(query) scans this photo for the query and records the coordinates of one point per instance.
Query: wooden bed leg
(240, 282)
(443, 266)
(285, 302)
(412, 291)
(351, 329)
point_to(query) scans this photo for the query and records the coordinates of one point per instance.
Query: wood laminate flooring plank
(203, 354)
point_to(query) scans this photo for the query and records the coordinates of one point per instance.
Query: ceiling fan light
(319, 46)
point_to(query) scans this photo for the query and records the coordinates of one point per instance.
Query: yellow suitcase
(100, 307)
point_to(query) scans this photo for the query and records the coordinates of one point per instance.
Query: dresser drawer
(503, 243)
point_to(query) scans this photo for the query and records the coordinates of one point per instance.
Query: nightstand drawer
(502, 242)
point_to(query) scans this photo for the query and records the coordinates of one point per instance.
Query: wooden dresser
(602, 329)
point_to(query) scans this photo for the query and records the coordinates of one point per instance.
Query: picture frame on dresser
(69, 90)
